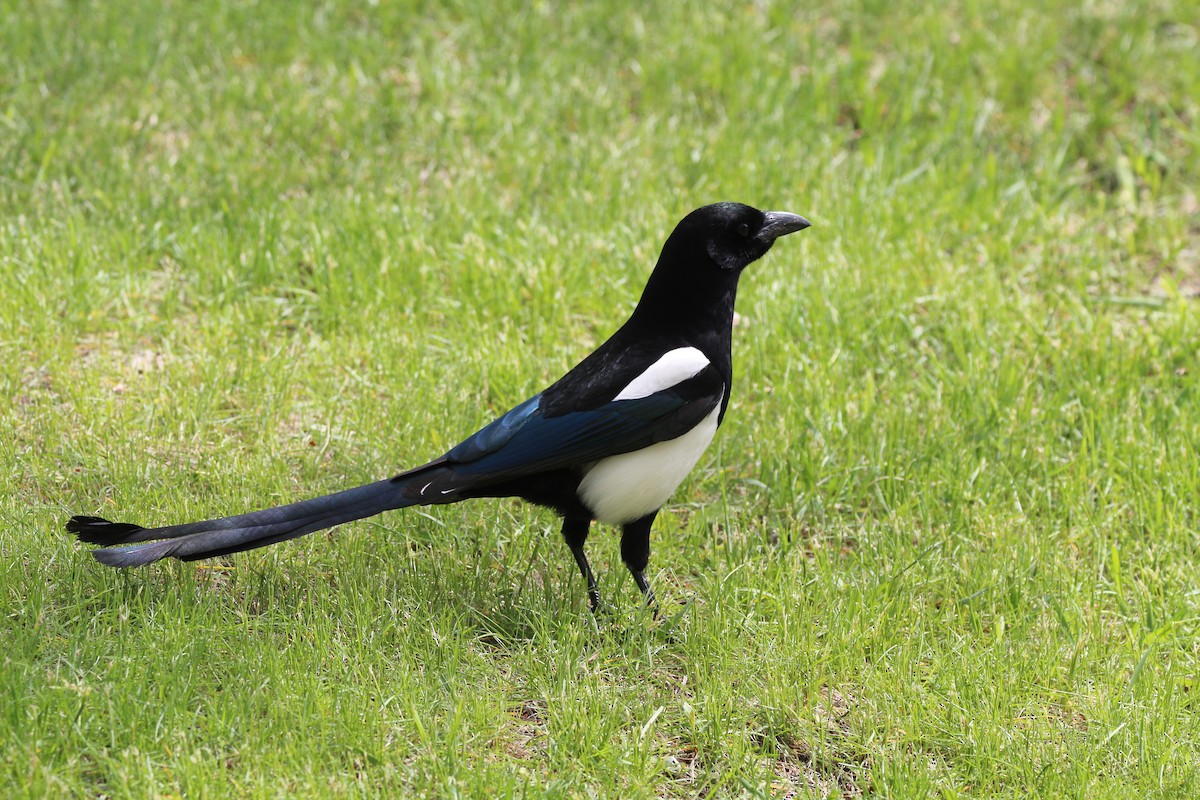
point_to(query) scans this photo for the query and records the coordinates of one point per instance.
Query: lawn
(945, 544)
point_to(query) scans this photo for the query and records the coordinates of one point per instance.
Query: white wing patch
(621, 489)
(674, 367)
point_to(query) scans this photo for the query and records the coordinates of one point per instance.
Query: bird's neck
(696, 310)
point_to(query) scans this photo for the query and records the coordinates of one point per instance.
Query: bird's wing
(525, 440)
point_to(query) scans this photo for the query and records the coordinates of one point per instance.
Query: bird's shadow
(511, 621)
(506, 612)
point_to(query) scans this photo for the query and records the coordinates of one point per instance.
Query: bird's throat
(691, 307)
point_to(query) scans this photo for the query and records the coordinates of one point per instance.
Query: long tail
(215, 537)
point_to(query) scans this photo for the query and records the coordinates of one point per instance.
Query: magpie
(609, 441)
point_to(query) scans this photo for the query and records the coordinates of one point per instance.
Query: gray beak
(780, 223)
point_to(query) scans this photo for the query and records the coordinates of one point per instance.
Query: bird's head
(696, 278)
(734, 235)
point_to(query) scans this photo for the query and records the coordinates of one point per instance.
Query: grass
(944, 546)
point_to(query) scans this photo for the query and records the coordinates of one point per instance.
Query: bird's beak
(780, 223)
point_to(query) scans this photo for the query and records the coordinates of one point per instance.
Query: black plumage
(609, 440)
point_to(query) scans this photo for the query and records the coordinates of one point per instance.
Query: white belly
(621, 489)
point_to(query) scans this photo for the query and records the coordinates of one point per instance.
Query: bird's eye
(743, 230)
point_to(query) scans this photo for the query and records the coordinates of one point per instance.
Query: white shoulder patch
(675, 367)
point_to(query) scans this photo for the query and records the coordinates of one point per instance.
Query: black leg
(575, 531)
(635, 552)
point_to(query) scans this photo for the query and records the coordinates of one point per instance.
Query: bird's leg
(575, 531)
(635, 552)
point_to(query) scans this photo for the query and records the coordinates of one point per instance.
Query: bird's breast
(623, 488)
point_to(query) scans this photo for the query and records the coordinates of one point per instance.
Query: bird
(610, 441)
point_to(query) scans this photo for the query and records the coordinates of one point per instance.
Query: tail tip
(97, 530)
(79, 523)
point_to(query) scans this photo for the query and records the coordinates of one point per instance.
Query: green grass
(945, 545)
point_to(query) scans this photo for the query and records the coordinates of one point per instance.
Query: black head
(734, 235)
(695, 282)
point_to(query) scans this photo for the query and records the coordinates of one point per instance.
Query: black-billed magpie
(608, 441)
